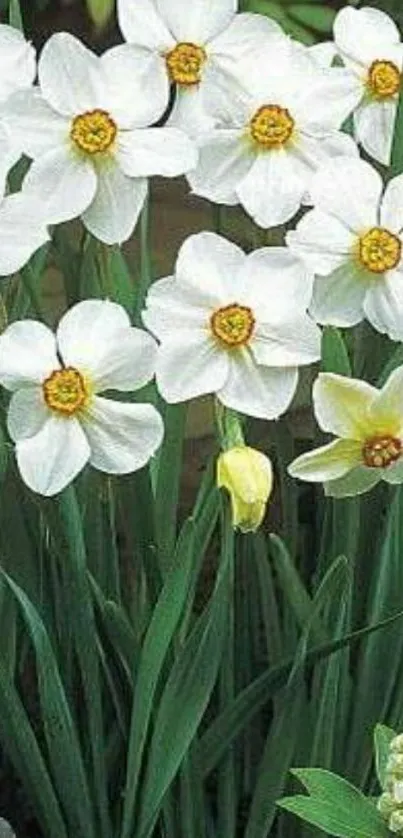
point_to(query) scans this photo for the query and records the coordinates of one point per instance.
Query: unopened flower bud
(248, 477)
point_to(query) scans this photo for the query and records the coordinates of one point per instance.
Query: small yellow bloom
(248, 477)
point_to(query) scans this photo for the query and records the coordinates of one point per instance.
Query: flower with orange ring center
(381, 451)
(185, 63)
(93, 132)
(383, 79)
(379, 250)
(65, 391)
(271, 126)
(232, 325)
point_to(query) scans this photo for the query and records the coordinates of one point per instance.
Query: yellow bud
(248, 477)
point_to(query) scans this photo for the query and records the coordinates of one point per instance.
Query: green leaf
(158, 639)
(183, 703)
(317, 17)
(382, 738)
(335, 806)
(14, 15)
(19, 741)
(61, 735)
(396, 164)
(334, 352)
(100, 11)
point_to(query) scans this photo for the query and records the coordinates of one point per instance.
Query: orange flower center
(93, 132)
(381, 451)
(271, 126)
(379, 250)
(383, 79)
(232, 325)
(185, 63)
(65, 391)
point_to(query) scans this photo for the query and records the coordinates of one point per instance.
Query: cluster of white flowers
(257, 120)
(390, 803)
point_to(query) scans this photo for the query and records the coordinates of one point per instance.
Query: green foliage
(335, 806)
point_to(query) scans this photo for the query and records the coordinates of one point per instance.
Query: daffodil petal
(52, 458)
(144, 100)
(356, 482)
(263, 392)
(27, 354)
(322, 241)
(22, 231)
(198, 21)
(27, 413)
(122, 437)
(383, 304)
(338, 299)
(225, 159)
(342, 405)
(374, 124)
(84, 333)
(64, 182)
(387, 408)
(70, 75)
(142, 25)
(392, 205)
(272, 191)
(113, 213)
(328, 462)
(350, 191)
(190, 364)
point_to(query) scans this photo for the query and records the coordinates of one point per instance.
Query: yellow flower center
(65, 391)
(381, 451)
(271, 126)
(93, 132)
(383, 79)
(379, 250)
(185, 63)
(232, 325)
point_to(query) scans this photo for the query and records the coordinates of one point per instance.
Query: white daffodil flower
(233, 325)
(275, 135)
(17, 72)
(56, 416)
(352, 240)
(369, 425)
(17, 63)
(369, 43)
(22, 226)
(85, 131)
(199, 46)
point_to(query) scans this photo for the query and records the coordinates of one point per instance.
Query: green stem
(145, 260)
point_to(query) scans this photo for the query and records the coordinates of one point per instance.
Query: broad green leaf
(20, 743)
(335, 806)
(382, 738)
(61, 736)
(163, 625)
(183, 703)
(334, 352)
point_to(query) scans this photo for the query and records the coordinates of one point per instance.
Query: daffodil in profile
(368, 424)
(353, 241)
(86, 129)
(247, 475)
(370, 45)
(57, 416)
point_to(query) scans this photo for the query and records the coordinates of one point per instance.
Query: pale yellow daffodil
(368, 424)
